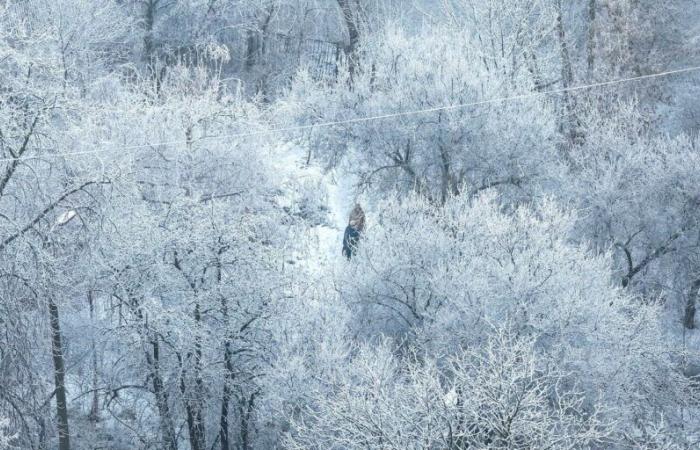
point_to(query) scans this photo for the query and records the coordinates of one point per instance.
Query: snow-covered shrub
(6, 437)
(624, 176)
(502, 396)
(439, 278)
(507, 145)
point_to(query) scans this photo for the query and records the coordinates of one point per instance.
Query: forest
(349, 224)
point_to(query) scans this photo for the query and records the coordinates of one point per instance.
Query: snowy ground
(325, 196)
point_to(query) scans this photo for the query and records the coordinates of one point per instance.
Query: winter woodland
(176, 177)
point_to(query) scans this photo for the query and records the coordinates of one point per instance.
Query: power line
(372, 118)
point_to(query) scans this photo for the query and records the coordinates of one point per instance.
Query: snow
(336, 191)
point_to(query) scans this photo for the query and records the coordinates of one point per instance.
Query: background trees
(388, 402)
(441, 153)
(169, 258)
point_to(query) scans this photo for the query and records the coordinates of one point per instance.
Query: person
(356, 225)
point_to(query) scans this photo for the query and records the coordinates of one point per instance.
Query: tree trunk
(256, 39)
(42, 438)
(264, 27)
(95, 408)
(228, 380)
(167, 427)
(192, 396)
(59, 378)
(192, 429)
(195, 427)
(228, 377)
(226, 399)
(350, 18)
(690, 308)
(590, 59)
(246, 409)
(199, 391)
(445, 169)
(149, 21)
(568, 124)
(251, 49)
(532, 67)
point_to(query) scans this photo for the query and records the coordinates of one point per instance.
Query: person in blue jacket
(356, 225)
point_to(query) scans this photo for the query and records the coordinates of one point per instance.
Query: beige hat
(357, 218)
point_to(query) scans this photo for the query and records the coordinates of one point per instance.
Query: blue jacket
(350, 239)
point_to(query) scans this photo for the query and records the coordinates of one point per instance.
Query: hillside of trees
(175, 183)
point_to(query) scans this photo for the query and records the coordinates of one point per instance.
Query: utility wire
(280, 130)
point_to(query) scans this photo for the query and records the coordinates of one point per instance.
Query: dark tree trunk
(690, 306)
(192, 394)
(246, 410)
(251, 49)
(199, 391)
(192, 418)
(590, 60)
(95, 407)
(350, 18)
(226, 399)
(569, 123)
(167, 427)
(228, 379)
(42, 438)
(228, 375)
(256, 40)
(156, 71)
(149, 21)
(195, 426)
(59, 378)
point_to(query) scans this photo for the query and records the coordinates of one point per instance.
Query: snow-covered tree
(171, 218)
(6, 439)
(480, 267)
(504, 395)
(511, 145)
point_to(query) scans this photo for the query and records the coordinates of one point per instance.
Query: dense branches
(170, 225)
